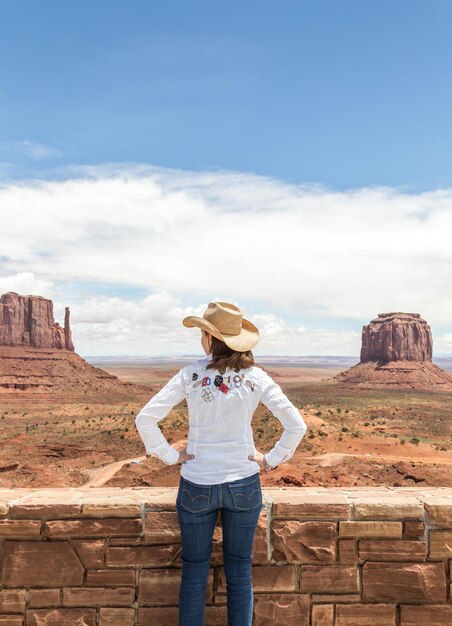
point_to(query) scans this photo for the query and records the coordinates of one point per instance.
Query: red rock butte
(37, 356)
(396, 351)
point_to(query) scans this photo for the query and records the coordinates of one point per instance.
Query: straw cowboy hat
(226, 322)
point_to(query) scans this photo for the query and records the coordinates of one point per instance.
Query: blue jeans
(240, 503)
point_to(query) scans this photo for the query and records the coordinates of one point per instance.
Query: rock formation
(397, 337)
(28, 321)
(396, 350)
(37, 355)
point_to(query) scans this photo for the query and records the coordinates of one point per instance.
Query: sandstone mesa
(38, 358)
(396, 351)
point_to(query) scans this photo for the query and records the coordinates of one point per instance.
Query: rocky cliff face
(396, 337)
(28, 321)
(37, 356)
(396, 351)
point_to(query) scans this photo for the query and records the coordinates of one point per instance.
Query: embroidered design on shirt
(250, 384)
(218, 380)
(237, 380)
(224, 388)
(197, 383)
(207, 394)
(206, 381)
(194, 376)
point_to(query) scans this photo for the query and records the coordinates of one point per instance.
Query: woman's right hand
(181, 447)
(183, 456)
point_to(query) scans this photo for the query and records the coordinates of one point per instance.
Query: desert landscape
(67, 423)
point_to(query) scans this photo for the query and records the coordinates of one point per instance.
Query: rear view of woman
(220, 466)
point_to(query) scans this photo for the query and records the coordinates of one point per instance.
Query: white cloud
(444, 343)
(26, 283)
(104, 325)
(29, 149)
(305, 252)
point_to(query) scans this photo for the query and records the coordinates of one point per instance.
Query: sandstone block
(270, 578)
(90, 552)
(161, 527)
(428, 615)
(104, 527)
(440, 544)
(404, 582)
(303, 542)
(151, 556)
(281, 609)
(60, 616)
(40, 564)
(116, 617)
(12, 600)
(161, 587)
(323, 615)
(168, 615)
(215, 615)
(163, 500)
(125, 541)
(370, 529)
(413, 529)
(392, 550)
(82, 596)
(158, 615)
(365, 615)
(111, 509)
(335, 598)
(44, 509)
(439, 511)
(337, 578)
(20, 528)
(110, 578)
(385, 509)
(11, 620)
(309, 506)
(44, 597)
(348, 552)
(260, 545)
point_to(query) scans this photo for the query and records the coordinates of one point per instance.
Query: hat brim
(246, 340)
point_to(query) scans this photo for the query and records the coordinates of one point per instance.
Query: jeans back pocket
(192, 497)
(247, 496)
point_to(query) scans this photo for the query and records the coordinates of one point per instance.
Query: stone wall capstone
(321, 557)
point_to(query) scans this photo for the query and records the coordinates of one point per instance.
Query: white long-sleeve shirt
(220, 408)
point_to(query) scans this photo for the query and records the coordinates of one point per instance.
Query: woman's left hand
(259, 458)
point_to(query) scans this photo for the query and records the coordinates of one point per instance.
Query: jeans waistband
(239, 481)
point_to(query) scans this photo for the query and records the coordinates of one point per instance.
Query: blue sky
(291, 157)
(345, 94)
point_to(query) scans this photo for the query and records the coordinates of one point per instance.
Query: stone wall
(322, 557)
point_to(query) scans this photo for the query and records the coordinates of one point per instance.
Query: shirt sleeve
(294, 425)
(155, 410)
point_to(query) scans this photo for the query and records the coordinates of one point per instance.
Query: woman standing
(220, 465)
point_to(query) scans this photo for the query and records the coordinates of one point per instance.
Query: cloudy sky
(294, 160)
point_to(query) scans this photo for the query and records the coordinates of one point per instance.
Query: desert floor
(396, 437)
